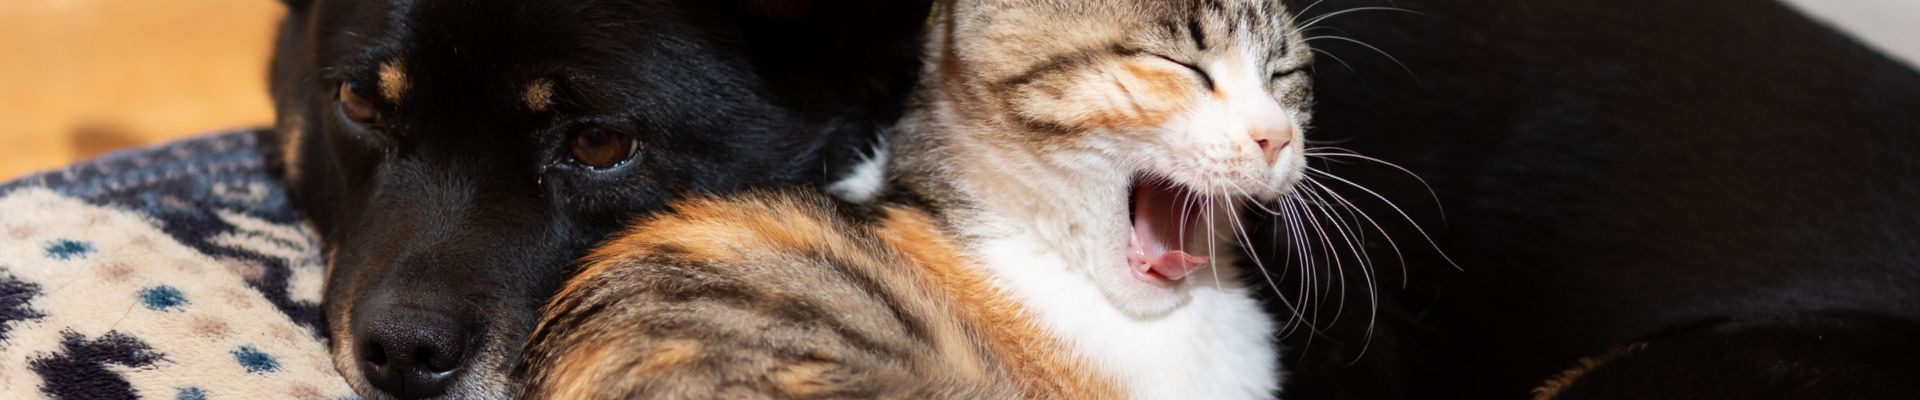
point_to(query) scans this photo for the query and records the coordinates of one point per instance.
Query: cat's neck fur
(1027, 220)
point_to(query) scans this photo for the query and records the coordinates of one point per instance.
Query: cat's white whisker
(1326, 246)
(1309, 7)
(1291, 221)
(1390, 57)
(1364, 263)
(1423, 181)
(1186, 208)
(1296, 311)
(1304, 244)
(1321, 292)
(1372, 287)
(1397, 209)
(1316, 20)
(1301, 316)
(1323, 149)
(1336, 59)
(1370, 221)
(1297, 238)
(1367, 272)
(1334, 29)
(1246, 242)
(1213, 259)
(1344, 203)
(1251, 199)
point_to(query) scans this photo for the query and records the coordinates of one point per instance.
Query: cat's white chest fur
(1217, 345)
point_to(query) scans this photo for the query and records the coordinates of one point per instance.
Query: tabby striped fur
(782, 295)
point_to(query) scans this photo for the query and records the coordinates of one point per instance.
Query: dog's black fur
(451, 217)
(1720, 179)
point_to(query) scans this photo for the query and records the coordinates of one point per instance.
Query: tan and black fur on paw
(783, 295)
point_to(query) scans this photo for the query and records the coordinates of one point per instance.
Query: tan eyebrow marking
(291, 131)
(539, 95)
(393, 81)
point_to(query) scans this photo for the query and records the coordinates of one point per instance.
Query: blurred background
(80, 78)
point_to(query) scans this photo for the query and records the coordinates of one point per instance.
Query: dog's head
(457, 155)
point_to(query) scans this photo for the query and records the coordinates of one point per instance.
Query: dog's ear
(842, 27)
(843, 13)
(857, 52)
(848, 65)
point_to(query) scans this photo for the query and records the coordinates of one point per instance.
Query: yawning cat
(1058, 220)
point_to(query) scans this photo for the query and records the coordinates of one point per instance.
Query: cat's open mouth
(1161, 213)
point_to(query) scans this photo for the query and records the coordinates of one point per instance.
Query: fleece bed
(173, 272)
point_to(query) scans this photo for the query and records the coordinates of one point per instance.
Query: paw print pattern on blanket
(173, 280)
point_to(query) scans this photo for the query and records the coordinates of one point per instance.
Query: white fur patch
(866, 180)
(1217, 345)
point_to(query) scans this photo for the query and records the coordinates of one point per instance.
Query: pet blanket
(177, 272)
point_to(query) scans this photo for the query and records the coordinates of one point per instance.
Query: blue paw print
(254, 360)
(163, 298)
(68, 250)
(190, 393)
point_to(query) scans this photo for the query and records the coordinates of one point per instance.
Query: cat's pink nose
(1272, 140)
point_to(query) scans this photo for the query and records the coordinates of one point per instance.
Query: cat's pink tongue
(1172, 265)
(1157, 229)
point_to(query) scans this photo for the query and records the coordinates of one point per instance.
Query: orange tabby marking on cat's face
(1155, 93)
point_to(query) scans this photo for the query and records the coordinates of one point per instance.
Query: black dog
(1644, 181)
(456, 156)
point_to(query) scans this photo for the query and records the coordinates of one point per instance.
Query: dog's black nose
(411, 354)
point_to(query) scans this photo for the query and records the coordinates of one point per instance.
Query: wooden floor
(82, 77)
(79, 78)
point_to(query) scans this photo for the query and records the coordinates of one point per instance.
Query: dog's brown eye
(355, 107)
(599, 148)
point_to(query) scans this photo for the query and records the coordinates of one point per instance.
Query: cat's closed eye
(1288, 73)
(1197, 71)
